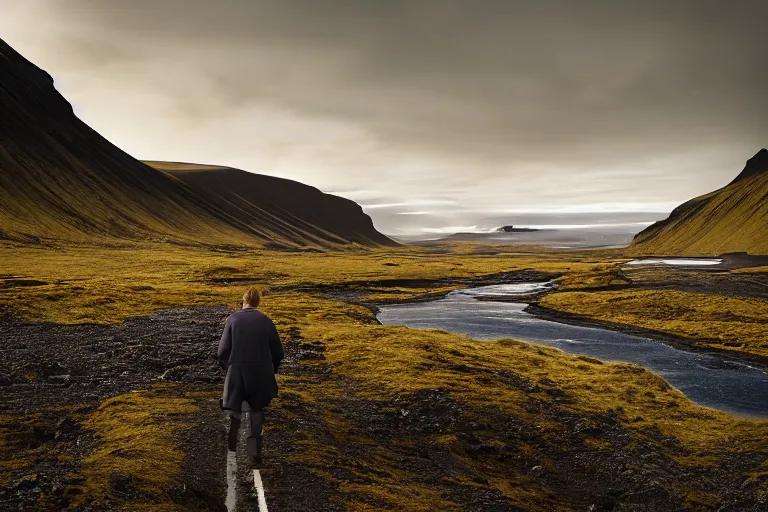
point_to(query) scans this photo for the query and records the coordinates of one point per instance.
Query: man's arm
(276, 348)
(225, 345)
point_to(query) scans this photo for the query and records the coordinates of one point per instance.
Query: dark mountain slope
(756, 165)
(731, 219)
(59, 179)
(278, 206)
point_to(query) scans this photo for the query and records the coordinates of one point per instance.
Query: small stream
(726, 384)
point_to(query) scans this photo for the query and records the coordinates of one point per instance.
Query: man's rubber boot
(234, 426)
(255, 444)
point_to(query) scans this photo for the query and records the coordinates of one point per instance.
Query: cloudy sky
(436, 115)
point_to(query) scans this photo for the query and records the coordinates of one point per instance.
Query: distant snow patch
(678, 262)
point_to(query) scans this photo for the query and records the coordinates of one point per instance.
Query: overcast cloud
(429, 113)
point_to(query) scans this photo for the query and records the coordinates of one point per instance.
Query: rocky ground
(55, 375)
(621, 474)
(698, 280)
(320, 452)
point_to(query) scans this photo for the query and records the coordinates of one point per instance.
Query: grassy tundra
(384, 417)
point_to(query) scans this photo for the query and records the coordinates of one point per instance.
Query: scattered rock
(178, 373)
(122, 484)
(61, 380)
(65, 427)
(25, 482)
(53, 369)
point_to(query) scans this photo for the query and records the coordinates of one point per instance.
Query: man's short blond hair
(252, 297)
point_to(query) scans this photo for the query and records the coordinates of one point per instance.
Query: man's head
(252, 297)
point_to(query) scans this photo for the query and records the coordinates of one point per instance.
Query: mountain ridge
(756, 165)
(61, 180)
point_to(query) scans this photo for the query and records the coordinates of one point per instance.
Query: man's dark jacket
(251, 351)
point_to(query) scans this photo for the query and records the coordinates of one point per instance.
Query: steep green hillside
(731, 219)
(61, 180)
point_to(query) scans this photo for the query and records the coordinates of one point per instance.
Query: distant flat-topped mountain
(513, 229)
(61, 180)
(731, 219)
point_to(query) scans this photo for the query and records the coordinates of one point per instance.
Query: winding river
(712, 381)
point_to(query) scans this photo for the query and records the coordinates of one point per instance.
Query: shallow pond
(726, 384)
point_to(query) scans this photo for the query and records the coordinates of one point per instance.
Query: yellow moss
(97, 284)
(384, 362)
(699, 461)
(15, 456)
(751, 270)
(527, 494)
(135, 434)
(731, 323)
(399, 361)
(397, 497)
(596, 442)
(594, 276)
(698, 500)
(397, 295)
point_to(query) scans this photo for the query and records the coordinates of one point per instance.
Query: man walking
(251, 351)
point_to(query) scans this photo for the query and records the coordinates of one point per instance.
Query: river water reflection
(729, 385)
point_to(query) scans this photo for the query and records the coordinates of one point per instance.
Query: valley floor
(110, 396)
